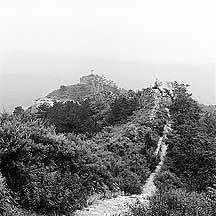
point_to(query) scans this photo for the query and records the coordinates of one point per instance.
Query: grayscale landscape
(107, 108)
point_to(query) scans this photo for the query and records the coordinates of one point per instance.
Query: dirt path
(120, 204)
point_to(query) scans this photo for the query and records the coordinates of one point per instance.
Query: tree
(191, 154)
(63, 89)
(18, 110)
(42, 111)
(47, 172)
(122, 108)
(208, 122)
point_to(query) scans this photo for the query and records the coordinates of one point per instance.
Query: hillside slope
(89, 85)
(117, 160)
(120, 204)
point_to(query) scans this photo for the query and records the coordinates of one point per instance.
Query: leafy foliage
(70, 117)
(172, 199)
(56, 173)
(177, 202)
(90, 115)
(192, 154)
(108, 144)
(45, 171)
(18, 110)
(122, 108)
(186, 185)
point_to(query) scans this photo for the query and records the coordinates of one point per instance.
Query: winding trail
(120, 204)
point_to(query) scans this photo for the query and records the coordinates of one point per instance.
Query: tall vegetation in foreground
(187, 184)
(55, 173)
(177, 202)
(192, 150)
(54, 162)
(40, 167)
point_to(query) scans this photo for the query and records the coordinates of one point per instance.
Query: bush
(46, 172)
(167, 179)
(122, 108)
(130, 182)
(8, 206)
(192, 151)
(176, 202)
(56, 173)
(52, 173)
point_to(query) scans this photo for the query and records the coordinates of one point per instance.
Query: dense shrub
(130, 153)
(189, 189)
(56, 173)
(8, 206)
(70, 117)
(130, 182)
(176, 202)
(45, 171)
(172, 199)
(191, 153)
(122, 108)
(91, 114)
(166, 180)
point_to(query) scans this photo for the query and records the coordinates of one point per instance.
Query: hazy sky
(157, 30)
(37, 35)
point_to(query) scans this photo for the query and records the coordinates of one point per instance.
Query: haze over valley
(26, 76)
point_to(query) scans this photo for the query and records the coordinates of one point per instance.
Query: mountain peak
(89, 85)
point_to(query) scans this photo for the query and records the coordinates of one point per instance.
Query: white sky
(132, 32)
(156, 30)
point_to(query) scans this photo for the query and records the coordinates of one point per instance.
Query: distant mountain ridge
(88, 86)
(95, 87)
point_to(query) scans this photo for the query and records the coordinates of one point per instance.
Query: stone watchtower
(90, 81)
(96, 83)
(87, 79)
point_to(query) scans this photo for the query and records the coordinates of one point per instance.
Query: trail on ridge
(120, 204)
